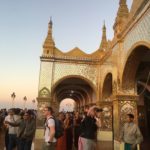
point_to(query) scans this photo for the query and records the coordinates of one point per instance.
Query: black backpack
(59, 130)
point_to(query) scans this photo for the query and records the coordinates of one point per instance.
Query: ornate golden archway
(75, 87)
(107, 87)
(138, 55)
(113, 69)
(137, 69)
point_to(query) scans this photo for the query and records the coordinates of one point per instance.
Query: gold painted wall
(87, 71)
(96, 66)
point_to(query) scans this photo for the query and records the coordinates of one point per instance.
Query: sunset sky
(23, 28)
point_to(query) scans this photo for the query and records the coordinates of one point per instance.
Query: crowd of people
(19, 126)
(78, 132)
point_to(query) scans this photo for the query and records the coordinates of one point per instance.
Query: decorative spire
(122, 15)
(50, 23)
(104, 43)
(49, 43)
(123, 10)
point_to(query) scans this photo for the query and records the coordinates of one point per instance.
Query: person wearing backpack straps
(49, 134)
(61, 141)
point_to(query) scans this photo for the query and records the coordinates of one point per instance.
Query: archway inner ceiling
(142, 74)
(75, 88)
(136, 71)
(107, 87)
(137, 67)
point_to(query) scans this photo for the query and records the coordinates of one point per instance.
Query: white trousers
(86, 144)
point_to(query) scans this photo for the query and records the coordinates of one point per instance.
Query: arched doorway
(107, 88)
(76, 88)
(136, 71)
(107, 114)
(67, 105)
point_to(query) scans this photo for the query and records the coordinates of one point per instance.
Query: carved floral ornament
(44, 93)
(84, 71)
(127, 107)
(106, 117)
(91, 73)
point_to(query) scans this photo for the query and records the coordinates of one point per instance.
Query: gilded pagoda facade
(108, 77)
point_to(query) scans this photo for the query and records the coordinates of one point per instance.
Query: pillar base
(104, 135)
(118, 145)
(122, 105)
(39, 138)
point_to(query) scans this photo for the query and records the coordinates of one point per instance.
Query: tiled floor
(104, 146)
(100, 145)
(37, 144)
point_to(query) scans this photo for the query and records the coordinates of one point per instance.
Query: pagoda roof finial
(104, 26)
(50, 22)
(122, 15)
(103, 44)
(49, 43)
(123, 10)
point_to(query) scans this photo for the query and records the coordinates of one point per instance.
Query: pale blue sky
(23, 28)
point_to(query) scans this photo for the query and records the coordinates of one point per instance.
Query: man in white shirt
(49, 135)
(12, 131)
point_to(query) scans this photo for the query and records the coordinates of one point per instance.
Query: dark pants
(6, 139)
(24, 144)
(69, 139)
(76, 136)
(12, 141)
